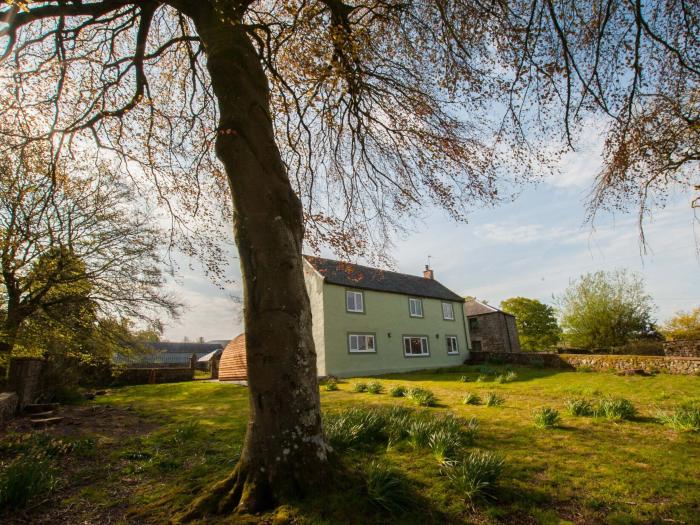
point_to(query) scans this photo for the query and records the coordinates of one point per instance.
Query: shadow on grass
(345, 498)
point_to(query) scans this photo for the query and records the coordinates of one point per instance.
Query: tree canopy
(605, 309)
(378, 108)
(683, 325)
(74, 242)
(536, 322)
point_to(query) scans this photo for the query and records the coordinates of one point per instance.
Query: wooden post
(25, 379)
(215, 367)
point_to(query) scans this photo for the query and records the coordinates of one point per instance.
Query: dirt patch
(89, 488)
(91, 419)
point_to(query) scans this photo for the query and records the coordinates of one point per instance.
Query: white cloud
(578, 169)
(510, 232)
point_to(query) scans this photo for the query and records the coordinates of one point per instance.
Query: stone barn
(491, 329)
(232, 365)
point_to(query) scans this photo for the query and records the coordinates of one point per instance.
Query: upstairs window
(415, 307)
(359, 343)
(415, 346)
(354, 302)
(452, 347)
(448, 312)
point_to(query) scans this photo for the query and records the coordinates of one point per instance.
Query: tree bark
(284, 453)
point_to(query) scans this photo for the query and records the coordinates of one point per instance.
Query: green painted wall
(386, 313)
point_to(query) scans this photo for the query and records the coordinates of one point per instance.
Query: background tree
(683, 325)
(70, 330)
(335, 121)
(536, 322)
(605, 309)
(73, 247)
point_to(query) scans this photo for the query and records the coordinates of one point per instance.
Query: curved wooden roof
(232, 366)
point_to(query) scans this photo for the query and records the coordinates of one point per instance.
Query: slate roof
(472, 308)
(367, 278)
(184, 348)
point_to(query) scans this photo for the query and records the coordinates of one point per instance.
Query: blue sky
(529, 247)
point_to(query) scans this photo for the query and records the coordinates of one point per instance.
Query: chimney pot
(428, 273)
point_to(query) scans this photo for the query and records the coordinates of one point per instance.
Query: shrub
(355, 427)
(397, 391)
(579, 407)
(471, 399)
(500, 378)
(443, 435)
(359, 387)
(685, 418)
(398, 421)
(546, 417)
(418, 432)
(331, 385)
(23, 480)
(387, 488)
(494, 400)
(186, 431)
(421, 396)
(481, 378)
(486, 370)
(375, 387)
(444, 443)
(511, 376)
(615, 408)
(474, 475)
(464, 379)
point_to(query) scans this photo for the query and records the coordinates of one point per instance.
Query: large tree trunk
(284, 453)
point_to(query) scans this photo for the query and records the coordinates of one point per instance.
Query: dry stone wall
(684, 348)
(603, 363)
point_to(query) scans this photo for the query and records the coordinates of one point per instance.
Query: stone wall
(495, 332)
(603, 363)
(145, 376)
(8, 405)
(683, 348)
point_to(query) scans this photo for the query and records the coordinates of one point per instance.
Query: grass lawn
(139, 454)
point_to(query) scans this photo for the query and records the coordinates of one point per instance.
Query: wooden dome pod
(232, 366)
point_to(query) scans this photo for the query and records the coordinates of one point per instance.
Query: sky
(530, 247)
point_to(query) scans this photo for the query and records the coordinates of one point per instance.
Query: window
(473, 323)
(358, 343)
(447, 312)
(452, 347)
(415, 346)
(415, 307)
(354, 302)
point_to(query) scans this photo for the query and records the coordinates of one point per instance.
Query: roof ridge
(371, 267)
(368, 277)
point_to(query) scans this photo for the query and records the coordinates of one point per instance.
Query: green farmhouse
(370, 321)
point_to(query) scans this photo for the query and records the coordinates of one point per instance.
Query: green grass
(591, 470)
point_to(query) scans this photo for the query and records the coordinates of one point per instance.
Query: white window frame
(425, 345)
(452, 312)
(456, 345)
(411, 302)
(354, 295)
(356, 339)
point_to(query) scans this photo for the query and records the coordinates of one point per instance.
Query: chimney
(428, 273)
